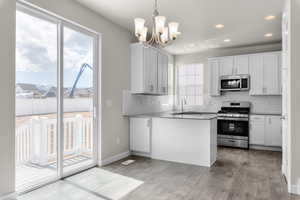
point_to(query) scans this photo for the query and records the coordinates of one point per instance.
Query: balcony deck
(36, 147)
(28, 175)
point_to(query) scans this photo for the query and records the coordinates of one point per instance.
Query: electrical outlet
(118, 140)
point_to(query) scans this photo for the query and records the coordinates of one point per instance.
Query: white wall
(7, 82)
(115, 70)
(294, 107)
(271, 104)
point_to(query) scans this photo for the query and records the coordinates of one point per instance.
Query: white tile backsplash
(259, 104)
(140, 104)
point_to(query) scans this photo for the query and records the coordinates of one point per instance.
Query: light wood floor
(237, 175)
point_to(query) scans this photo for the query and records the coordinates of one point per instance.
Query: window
(190, 84)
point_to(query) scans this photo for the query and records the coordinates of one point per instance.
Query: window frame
(177, 85)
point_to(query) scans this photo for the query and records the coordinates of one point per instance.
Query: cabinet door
(137, 68)
(162, 74)
(226, 66)
(256, 64)
(273, 136)
(140, 134)
(271, 73)
(150, 70)
(257, 130)
(214, 77)
(241, 64)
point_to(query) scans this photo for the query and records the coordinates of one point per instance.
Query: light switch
(108, 103)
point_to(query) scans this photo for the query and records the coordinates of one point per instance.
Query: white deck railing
(36, 139)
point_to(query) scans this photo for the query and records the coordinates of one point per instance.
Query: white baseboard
(114, 158)
(266, 148)
(136, 153)
(9, 196)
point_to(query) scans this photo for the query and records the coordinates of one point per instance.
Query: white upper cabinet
(264, 70)
(149, 70)
(214, 69)
(234, 65)
(162, 75)
(256, 74)
(265, 73)
(272, 75)
(227, 66)
(241, 64)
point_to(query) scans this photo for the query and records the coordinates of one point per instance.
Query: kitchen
(242, 106)
(150, 100)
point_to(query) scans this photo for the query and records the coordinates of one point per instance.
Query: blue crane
(82, 68)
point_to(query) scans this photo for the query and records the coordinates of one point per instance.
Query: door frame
(71, 26)
(62, 22)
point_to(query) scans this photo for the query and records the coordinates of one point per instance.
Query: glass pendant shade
(165, 35)
(143, 37)
(173, 29)
(139, 26)
(160, 23)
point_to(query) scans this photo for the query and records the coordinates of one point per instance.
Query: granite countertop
(256, 113)
(172, 115)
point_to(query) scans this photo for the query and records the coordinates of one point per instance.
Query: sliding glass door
(78, 101)
(56, 98)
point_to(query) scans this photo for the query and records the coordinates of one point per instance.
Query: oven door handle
(233, 118)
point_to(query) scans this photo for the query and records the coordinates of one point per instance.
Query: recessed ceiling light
(270, 17)
(219, 26)
(268, 34)
(227, 40)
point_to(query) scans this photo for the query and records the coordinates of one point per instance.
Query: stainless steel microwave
(235, 83)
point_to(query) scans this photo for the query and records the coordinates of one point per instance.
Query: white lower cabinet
(140, 133)
(265, 130)
(257, 130)
(273, 136)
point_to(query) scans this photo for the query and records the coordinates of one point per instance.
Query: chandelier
(161, 34)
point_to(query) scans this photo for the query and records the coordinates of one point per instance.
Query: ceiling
(243, 19)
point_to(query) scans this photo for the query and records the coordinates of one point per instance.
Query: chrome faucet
(182, 103)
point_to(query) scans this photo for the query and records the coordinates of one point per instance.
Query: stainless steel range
(233, 124)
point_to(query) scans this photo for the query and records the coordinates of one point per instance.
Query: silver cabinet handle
(151, 88)
(164, 89)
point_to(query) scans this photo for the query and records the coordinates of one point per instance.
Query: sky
(36, 53)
